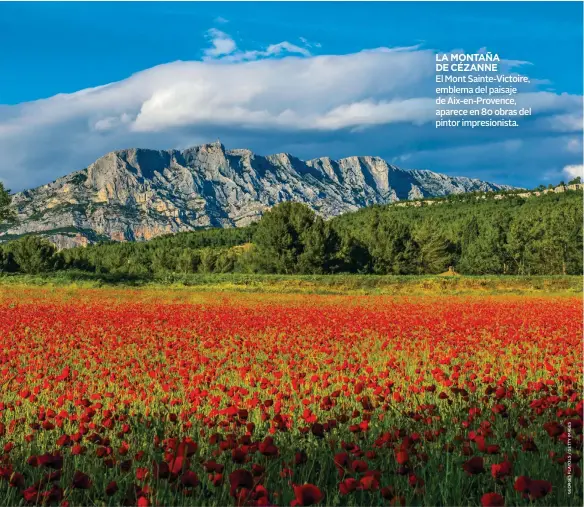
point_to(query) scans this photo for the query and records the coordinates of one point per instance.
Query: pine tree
(33, 254)
(5, 200)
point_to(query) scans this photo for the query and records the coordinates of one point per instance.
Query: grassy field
(317, 284)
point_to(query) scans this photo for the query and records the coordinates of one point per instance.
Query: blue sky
(64, 48)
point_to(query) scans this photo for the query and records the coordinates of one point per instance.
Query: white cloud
(319, 93)
(416, 110)
(285, 47)
(309, 44)
(222, 44)
(573, 171)
(225, 49)
(281, 98)
(112, 122)
(567, 122)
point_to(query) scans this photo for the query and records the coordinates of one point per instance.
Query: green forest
(473, 234)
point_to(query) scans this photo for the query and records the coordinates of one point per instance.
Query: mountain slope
(138, 194)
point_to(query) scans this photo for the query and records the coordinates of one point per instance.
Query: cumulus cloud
(573, 171)
(378, 101)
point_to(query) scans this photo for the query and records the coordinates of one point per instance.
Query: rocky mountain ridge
(137, 194)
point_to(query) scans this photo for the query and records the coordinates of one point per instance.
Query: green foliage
(33, 254)
(311, 284)
(483, 249)
(522, 236)
(290, 238)
(214, 238)
(476, 236)
(205, 251)
(435, 252)
(7, 262)
(391, 246)
(5, 199)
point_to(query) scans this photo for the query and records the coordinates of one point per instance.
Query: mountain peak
(137, 194)
(209, 147)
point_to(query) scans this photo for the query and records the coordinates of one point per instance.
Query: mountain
(137, 194)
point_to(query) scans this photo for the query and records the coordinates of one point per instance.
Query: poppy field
(120, 396)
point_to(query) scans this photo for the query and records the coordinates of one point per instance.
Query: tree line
(511, 236)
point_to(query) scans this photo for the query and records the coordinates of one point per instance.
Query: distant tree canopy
(539, 235)
(515, 236)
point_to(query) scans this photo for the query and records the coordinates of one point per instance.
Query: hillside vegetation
(511, 236)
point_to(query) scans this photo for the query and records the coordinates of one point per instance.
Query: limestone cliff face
(138, 194)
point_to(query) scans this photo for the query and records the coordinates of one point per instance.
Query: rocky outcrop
(137, 194)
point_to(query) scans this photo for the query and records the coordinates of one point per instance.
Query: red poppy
(48, 460)
(493, 449)
(342, 462)
(31, 494)
(189, 479)
(501, 470)
(186, 448)
(348, 486)
(474, 466)
(300, 457)
(178, 464)
(308, 494)
(388, 492)
(16, 480)
(213, 466)
(368, 483)
(240, 479)
(402, 457)
(257, 470)
(492, 500)
(160, 470)
(111, 489)
(81, 480)
(78, 449)
(532, 489)
(359, 466)
(522, 484)
(317, 430)
(53, 495)
(238, 455)
(141, 473)
(63, 440)
(553, 429)
(415, 481)
(267, 447)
